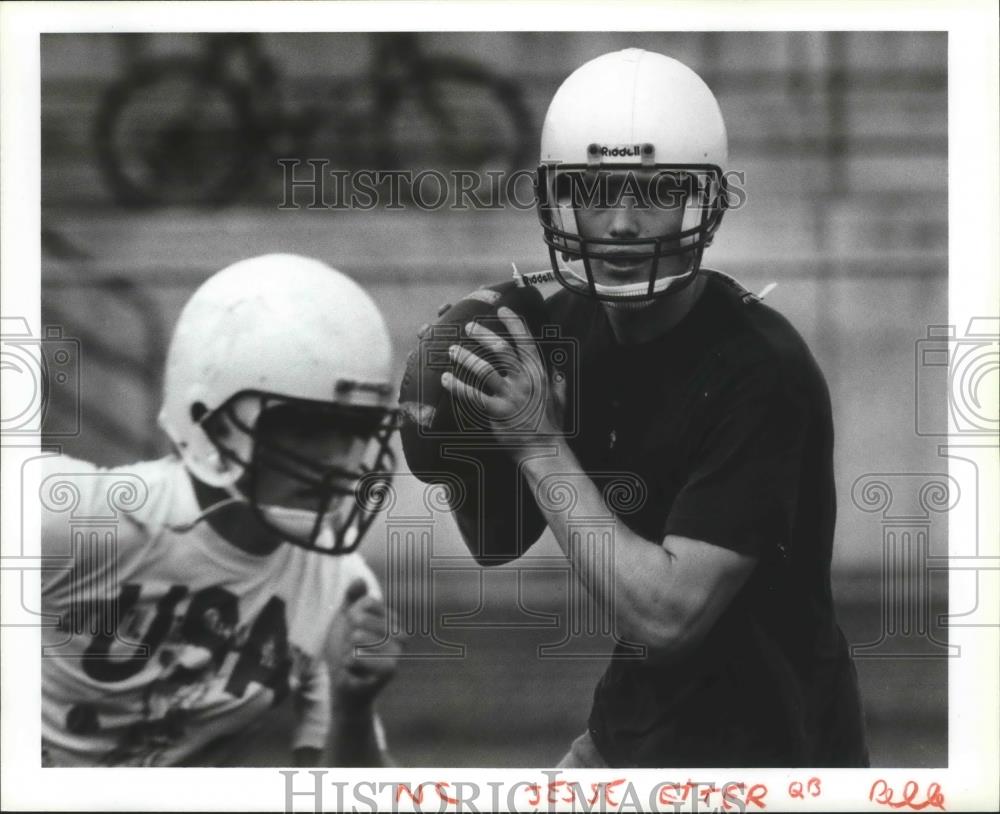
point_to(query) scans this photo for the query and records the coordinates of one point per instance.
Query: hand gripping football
(434, 428)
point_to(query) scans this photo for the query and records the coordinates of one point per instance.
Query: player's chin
(618, 273)
(311, 498)
(621, 271)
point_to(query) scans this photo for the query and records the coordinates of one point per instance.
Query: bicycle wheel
(174, 133)
(455, 115)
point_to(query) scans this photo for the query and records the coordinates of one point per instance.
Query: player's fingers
(369, 628)
(488, 338)
(559, 389)
(384, 664)
(367, 611)
(355, 591)
(469, 394)
(371, 668)
(524, 342)
(363, 653)
(385, 618)
(370, 604)
(369, 621)
(377, 670)
(516, 327)
(475, 367)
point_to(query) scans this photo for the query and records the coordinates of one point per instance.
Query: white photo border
(969, 782)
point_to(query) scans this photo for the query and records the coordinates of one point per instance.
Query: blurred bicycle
(201, 129)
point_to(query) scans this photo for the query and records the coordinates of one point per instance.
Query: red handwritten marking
(440, 789)
(536, 790)
(606, 788)
(883, 794)
(667, 792)
(679, 793)
(418, 797)
(797, 790)
(730, 800)
(756, 795)
(573, 793)
(552, 788)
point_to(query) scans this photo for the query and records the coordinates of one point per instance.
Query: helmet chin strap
(633, 296)
(301, 522)
(225, 474)
(181, 528)
(294, 522)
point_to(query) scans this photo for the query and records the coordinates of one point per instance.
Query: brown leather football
(436, 433)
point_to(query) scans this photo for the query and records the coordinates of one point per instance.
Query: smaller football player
(232, 580)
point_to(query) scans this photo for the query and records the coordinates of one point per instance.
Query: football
(436, 433)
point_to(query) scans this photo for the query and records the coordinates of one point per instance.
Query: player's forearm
(356, 738)
(306, 757)
(633, 578)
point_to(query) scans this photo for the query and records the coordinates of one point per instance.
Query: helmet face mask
(681, 206)
(637, 132)
(308, 464)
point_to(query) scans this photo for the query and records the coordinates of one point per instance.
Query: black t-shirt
(727, 419)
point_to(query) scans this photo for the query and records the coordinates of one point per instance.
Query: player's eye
(565, 186)
(670, 189)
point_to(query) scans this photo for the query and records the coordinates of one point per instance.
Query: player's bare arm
(356, 737)
(666, 596)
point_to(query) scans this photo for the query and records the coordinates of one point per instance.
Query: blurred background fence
(843, 141)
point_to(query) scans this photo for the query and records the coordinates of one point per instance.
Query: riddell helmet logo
(620, 151)
(538, 277)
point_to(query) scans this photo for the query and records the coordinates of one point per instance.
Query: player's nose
(624, 221)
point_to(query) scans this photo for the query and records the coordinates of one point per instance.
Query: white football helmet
(282, 330)
(647, 113)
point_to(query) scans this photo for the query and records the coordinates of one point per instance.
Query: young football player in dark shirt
(713, 402)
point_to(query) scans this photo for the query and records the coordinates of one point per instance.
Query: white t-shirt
(168, 637)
